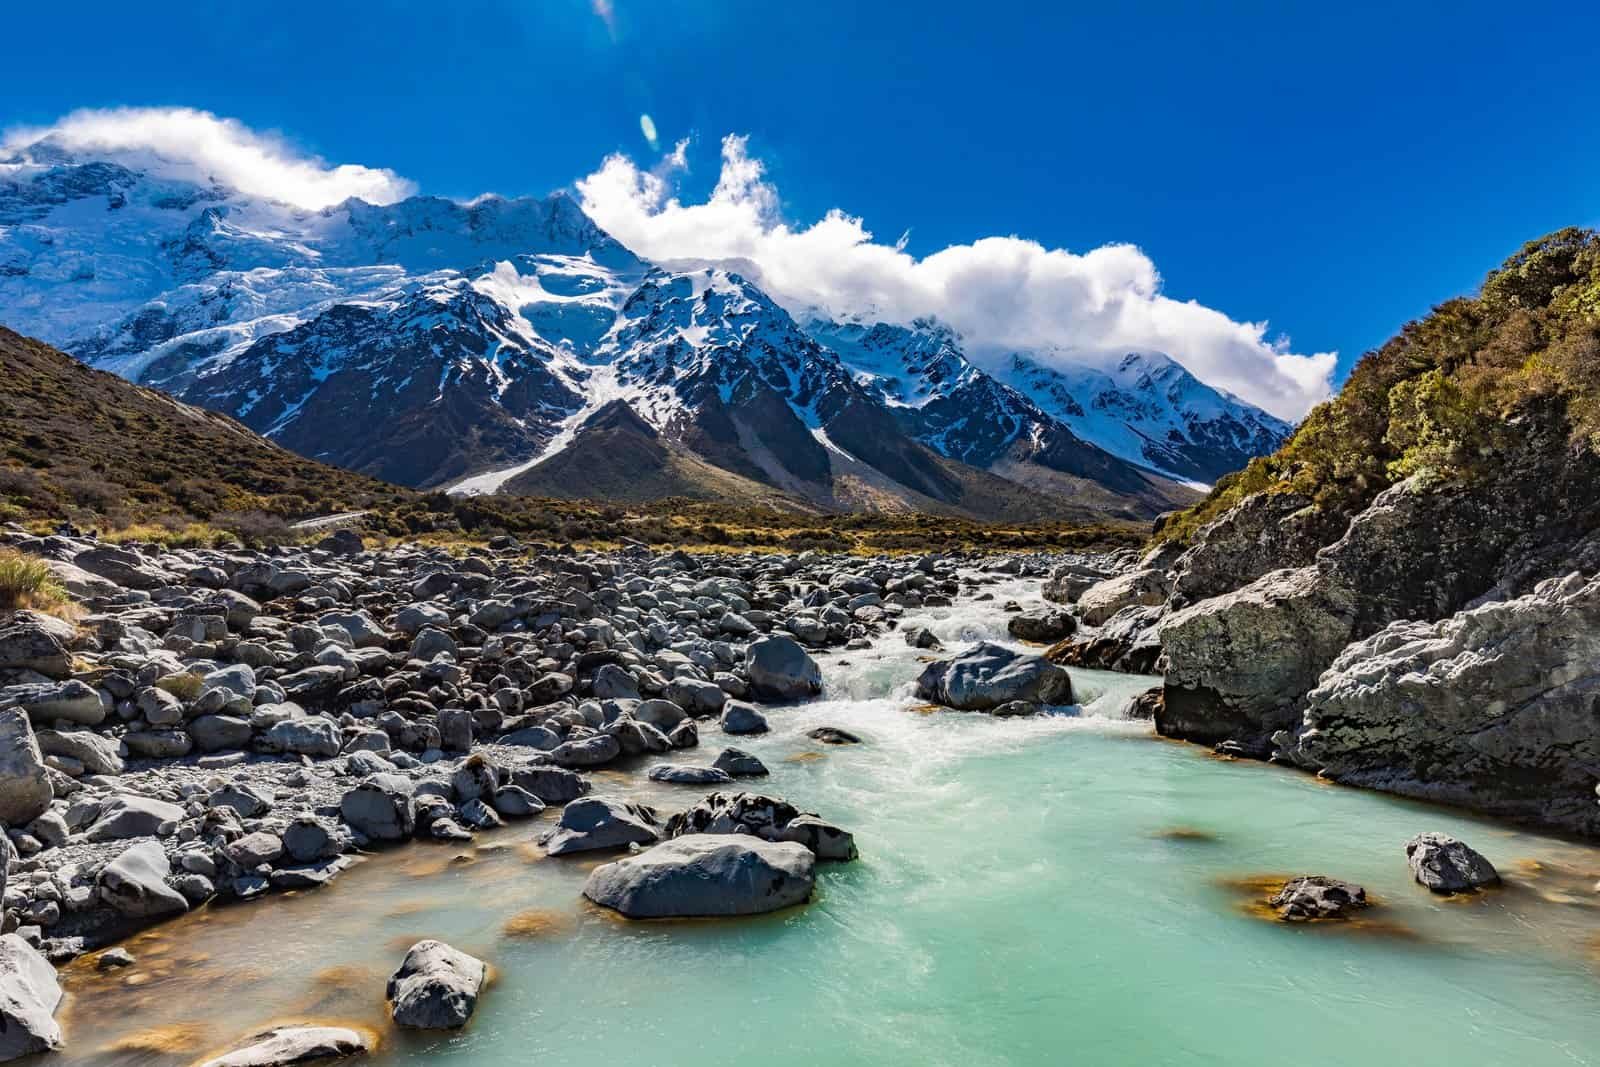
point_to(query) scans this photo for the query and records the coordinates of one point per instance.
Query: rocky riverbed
(220, 726)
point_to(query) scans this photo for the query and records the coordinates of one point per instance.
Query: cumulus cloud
(1002, 294)
(196, 145)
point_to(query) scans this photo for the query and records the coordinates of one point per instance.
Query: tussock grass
(26, 582)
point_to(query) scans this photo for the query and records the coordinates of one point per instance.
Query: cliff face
(1335, 604)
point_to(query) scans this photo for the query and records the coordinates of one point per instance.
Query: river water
(1065, 889)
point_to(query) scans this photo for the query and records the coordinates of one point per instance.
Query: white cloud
(1001, 293)
(196, 145)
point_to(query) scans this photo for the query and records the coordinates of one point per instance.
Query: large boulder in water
(989, 675)
(705, 875)
(780, 669)
(29, 994)
(25, 790)
(1238, 664)
(1470, 710)
(1446, 865)
(436, 987)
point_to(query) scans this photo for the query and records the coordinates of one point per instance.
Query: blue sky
(1334, 169)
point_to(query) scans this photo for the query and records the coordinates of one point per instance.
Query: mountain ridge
(470, 342)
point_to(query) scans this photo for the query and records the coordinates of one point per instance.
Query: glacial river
(1066, 889)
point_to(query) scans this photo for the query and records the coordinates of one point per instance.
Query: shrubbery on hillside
(1443, 397)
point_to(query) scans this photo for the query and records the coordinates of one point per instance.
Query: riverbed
(1063, 889)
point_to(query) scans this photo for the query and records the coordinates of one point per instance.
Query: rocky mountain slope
(1403, 596)
(76, 440)
(441, 344)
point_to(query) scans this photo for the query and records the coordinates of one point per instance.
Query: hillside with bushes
(1448, 397)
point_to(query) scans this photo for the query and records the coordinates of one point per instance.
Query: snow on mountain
(434, 342)
(1150, 410)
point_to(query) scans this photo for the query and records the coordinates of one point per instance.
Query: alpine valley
(513, 346)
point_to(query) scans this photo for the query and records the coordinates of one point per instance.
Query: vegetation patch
(1444, 397)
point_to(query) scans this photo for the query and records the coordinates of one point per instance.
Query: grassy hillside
(1443, 398)
(83, 446)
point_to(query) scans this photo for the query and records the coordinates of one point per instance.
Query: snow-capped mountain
(1151, 410)
(512, 345)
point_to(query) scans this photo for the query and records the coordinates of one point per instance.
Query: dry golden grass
(26, 582)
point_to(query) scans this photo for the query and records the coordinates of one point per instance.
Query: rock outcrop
(1492, 708)
(1238, 664)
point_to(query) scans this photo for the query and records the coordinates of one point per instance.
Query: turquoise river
(1067, 889)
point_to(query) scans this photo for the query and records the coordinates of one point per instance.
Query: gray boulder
(30, 646)
(1099, 602)
(1491, 709)
(593, 823)
(739, 764)
(135, 883)
(1314, 896)
(765, 817)
(29, 994)
(286, 1045)
(705, 875)
(311, 735)
(436, 987)
(680, 774)
(989, 675)
(552, 785)
(1238, 664)
(72, 701)
(380, 807)
(780, 669)
(129, 815)
(1446, 865)
(1042, 625)
(308, 839)
(25, 790)
(741, 718)
(588, 752)
(97, 754)
(216, 733)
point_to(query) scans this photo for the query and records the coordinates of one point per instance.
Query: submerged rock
(678, 774)
(705, 875)
(1446, 865)
(1314, 896)
(286, 1045)
(436, 987)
